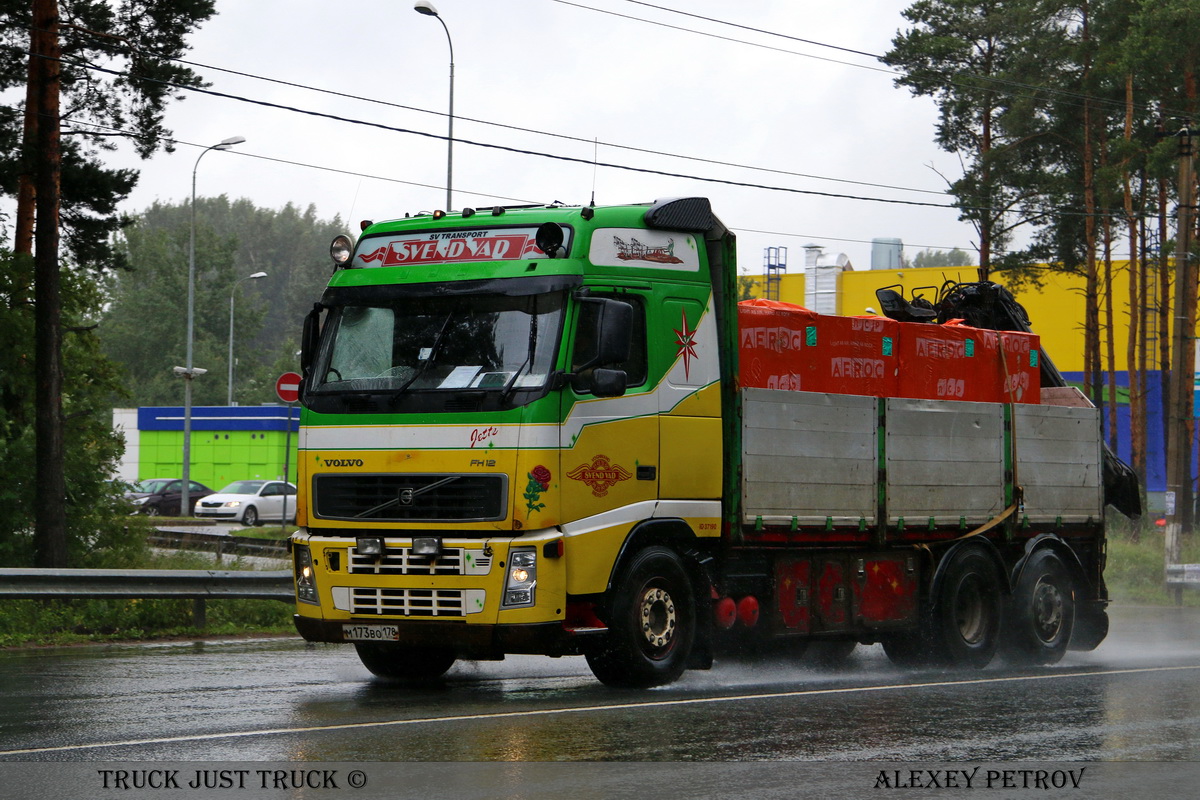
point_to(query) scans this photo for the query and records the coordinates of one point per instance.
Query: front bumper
(472, 642)
(203, 513)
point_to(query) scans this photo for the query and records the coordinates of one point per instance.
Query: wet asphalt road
(1133, 699)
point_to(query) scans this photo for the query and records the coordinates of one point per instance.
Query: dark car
(161, 496)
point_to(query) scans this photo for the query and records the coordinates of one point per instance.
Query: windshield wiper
(533, 332)
(512, 382)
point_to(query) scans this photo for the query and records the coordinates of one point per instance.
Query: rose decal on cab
(539, 481)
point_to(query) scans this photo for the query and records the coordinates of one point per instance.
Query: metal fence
(198, 585)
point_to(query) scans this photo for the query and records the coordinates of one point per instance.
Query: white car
(250, 502)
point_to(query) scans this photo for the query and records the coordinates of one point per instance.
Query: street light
(426, 8)
(255, 276)
(189, 373)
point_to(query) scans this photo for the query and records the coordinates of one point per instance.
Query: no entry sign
(288, 387)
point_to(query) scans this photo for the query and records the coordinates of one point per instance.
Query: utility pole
(1183, 354)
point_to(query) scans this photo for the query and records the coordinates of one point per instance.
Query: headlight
(137, 501)
(306, 583)
(521, 579)
(232, 503)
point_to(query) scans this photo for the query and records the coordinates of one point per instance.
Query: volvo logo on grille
(406, 497)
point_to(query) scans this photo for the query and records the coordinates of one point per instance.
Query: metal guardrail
(198, 585)
(220, 543)
(1183, 574)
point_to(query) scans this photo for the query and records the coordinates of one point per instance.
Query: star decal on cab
(685, 340)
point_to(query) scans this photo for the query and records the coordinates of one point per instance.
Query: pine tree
(54, 50)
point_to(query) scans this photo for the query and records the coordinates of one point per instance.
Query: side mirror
(608, 382)
(603, 337)
(310, 337)
(549, 239)
(604, 332)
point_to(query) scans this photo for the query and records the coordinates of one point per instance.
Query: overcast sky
(625, 74)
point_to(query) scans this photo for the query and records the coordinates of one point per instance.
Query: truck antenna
(595, 161)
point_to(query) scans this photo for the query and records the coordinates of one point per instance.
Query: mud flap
(1091, 626)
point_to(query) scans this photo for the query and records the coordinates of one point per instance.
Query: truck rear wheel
(965, 624)
(1043, 612)
(651, 623)
(402, 663)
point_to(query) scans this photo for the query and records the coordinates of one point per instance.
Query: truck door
(610, 444)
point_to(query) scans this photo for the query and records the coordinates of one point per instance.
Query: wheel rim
(1048, 614)
(658, 620)
(970, 612)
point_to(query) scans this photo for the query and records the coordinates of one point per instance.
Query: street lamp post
(189, 372)
(255, 276)
(426, 8)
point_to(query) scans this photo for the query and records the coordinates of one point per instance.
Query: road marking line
(545, 712)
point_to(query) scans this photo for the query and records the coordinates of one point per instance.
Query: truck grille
(414, 602)
(401, 561)
(411, 498)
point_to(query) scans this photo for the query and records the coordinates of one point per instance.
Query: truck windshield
(422, 344)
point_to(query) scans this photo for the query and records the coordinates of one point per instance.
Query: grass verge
(1134, 573)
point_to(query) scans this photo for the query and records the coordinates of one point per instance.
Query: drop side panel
(808, 457)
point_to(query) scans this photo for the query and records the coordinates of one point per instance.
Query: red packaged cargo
(1023, 376)
(957, 362)
(785, 346)
(771, 337)
(851, 355)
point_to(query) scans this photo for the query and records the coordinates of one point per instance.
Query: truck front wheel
(1043, 612)
(402, 663)
(651, 623)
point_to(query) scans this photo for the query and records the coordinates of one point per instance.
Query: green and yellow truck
(523, 432)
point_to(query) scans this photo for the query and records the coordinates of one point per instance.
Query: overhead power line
(257, 156)
(566, 137)
(952, 78)
(505, 148)
(242, 153)
(555, 156)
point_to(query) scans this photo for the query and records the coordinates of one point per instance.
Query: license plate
(370, 633)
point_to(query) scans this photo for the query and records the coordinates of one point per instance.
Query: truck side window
(636, 367)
